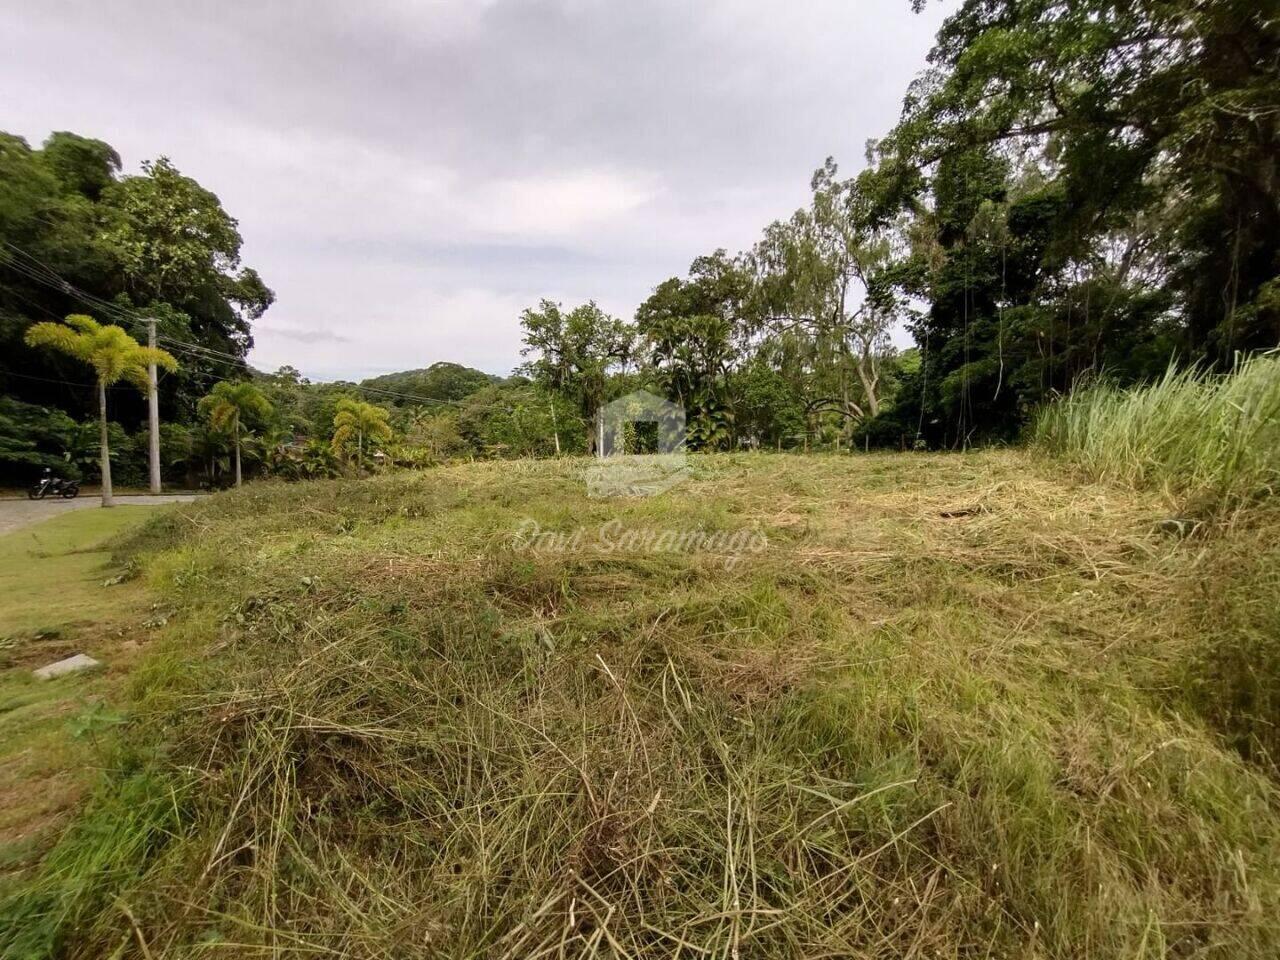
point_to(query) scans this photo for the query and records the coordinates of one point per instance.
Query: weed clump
(1211, 442)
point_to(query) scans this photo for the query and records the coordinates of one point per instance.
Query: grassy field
(899, 705)
(54, 602)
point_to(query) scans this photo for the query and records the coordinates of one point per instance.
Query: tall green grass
(1212, 442)
(124, 824)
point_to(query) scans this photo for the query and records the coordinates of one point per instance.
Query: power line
(28, 376)
(68, 383)
(198, 352)
(194, 351)
(65, 285)
(217, 356)
(405, 396)
(32, 303)
(199, 346)
(45, 275)
(220, 356)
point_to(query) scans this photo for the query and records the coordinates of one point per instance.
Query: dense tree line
(78, 237)
(1074, 190)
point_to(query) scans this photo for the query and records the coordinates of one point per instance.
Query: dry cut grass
(959, 706)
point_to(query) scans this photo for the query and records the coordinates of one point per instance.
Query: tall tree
(113, 355)
(692, 337)
(1160, 115)
(82, 165)
(823, 278)
(229, 407)
(155, 244)
(575, 352)
(177, 245)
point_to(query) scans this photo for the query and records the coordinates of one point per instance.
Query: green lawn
(51, 573)
(54, 602)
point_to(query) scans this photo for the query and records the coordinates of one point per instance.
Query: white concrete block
(70, 665)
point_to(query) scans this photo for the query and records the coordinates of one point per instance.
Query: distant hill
(440, 381)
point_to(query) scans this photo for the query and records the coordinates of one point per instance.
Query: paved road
(16, 514)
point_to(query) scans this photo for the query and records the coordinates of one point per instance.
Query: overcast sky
(408, 176)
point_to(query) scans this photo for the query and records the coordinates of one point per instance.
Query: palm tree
(229, 405)
(114, 356)
(356, 420)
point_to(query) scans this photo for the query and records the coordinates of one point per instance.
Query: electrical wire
(68, 383)
(198, 352)
(45, 275)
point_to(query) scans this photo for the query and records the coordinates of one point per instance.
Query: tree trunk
(237, 451)
(360, 449)
(870, 387)
(104, 453)
(844, 408)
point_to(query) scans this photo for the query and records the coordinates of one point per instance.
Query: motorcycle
(51, 486)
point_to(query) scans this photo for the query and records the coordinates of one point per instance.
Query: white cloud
(559, 203)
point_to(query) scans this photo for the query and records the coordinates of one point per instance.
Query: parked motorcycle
(51, 486)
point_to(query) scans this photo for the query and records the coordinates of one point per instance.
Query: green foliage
(82, 166)
(823, 285)
(522, 419)
(1091, 187)
(112, 353)
(1211, 441)
(575, 352)
(312, 460)
(231, 409)
(440, 381)
(434, 433)
(154, 244)
(32, 438)
(786, 344)
(359, 425)
(689, 337)
(768, 407)
(1071, 189)
(176, 244)
(302, 408)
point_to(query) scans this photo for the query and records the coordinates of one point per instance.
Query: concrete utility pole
(153, 408)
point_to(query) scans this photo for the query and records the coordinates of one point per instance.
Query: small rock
(70, 665)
